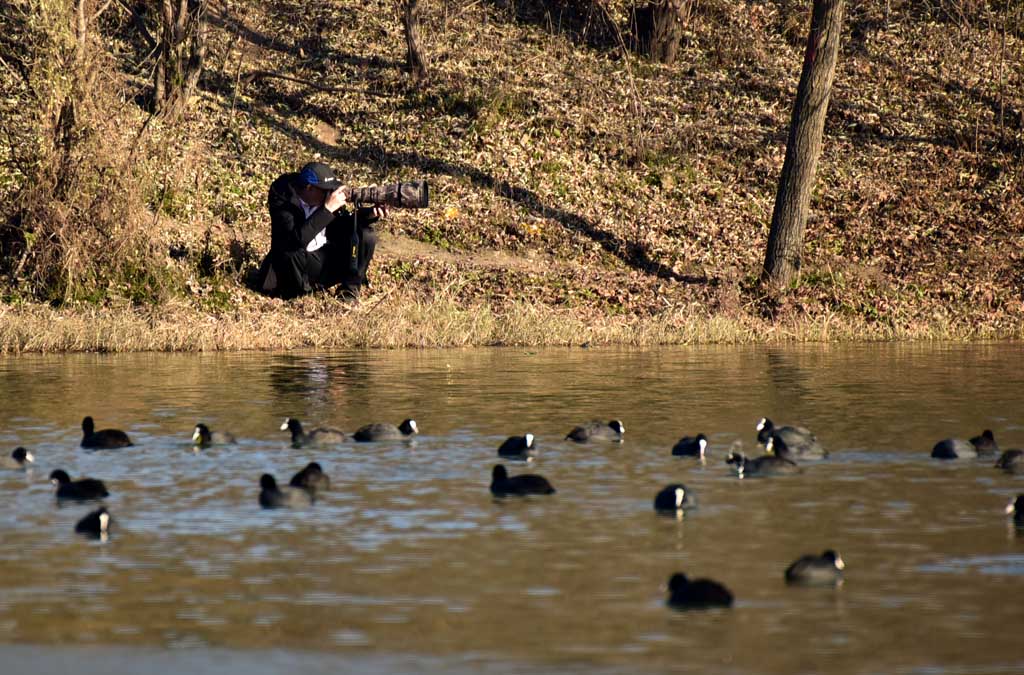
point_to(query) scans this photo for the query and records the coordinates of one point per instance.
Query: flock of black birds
(785, 446)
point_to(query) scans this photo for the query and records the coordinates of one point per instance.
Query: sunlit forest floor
(580, 193)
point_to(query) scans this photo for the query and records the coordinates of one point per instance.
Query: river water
(409, 565)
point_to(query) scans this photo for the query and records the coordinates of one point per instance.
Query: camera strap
(354, 243)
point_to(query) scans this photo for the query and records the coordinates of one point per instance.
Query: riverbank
(405, 320)
(580, 193)
(327, 325)
(424, 296)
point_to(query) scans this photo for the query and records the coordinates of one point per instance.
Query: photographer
(315, 241)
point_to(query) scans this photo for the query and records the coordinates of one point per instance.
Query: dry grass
(439, 322)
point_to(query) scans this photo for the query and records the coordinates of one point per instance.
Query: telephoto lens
(411, 195)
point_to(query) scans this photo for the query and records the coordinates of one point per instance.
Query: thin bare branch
(100, 11)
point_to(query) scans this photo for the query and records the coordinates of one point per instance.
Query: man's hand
(380, 211)
(336, 200)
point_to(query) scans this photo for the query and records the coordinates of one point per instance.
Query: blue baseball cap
(319, 175)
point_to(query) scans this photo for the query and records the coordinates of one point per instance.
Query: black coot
(82, 489)
(597, 431)
(696, 594)
(985, 444)
(104, 438)
(204, 438)
(96, 524)
(517, 447)
(777, 446)
(824, 569)
(802, 444)
(691, 446)
(20, 458)
(274, 497)
(386, 432)
(312, 479)
(674, 498)
(1011, 461)
(765, 465)
(322, 436)
(524, 484)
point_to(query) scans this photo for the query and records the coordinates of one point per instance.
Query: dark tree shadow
(269, 94)
(850, 118)
(382, 161)
(630, 253)
(316, 47)
(583, 22)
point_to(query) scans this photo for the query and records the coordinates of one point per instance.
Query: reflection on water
(409, 564)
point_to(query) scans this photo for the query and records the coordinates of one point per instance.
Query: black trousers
(351, 241)
(343, 260)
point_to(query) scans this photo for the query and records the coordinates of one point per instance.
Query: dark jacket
(283, 271)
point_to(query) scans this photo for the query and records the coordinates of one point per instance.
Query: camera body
(410, 195)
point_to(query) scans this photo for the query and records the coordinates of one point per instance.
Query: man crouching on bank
(316, 242)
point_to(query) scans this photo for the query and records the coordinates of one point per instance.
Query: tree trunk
(416, 61)
(665, 31)
(660, 26)
(792, 201)
(182, 50)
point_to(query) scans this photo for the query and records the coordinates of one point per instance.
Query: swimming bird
(824, 569)
(778, 447)
(386, 432)
(985, 443)
(312, 479)
(1011, 461)
(1016, 509)
(104, 438)
(801, 442)
(524, 484)
(20, 458)
(517, 447)
(691, 446)
(696, 594)
(274, 497)
(82, 489)
(674, 498)
(95, 525)
(320, 437)
(597, 431)
(954, 448)
(204, 438)
(765, 465)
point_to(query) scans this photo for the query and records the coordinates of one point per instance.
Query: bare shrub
(70, 227)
